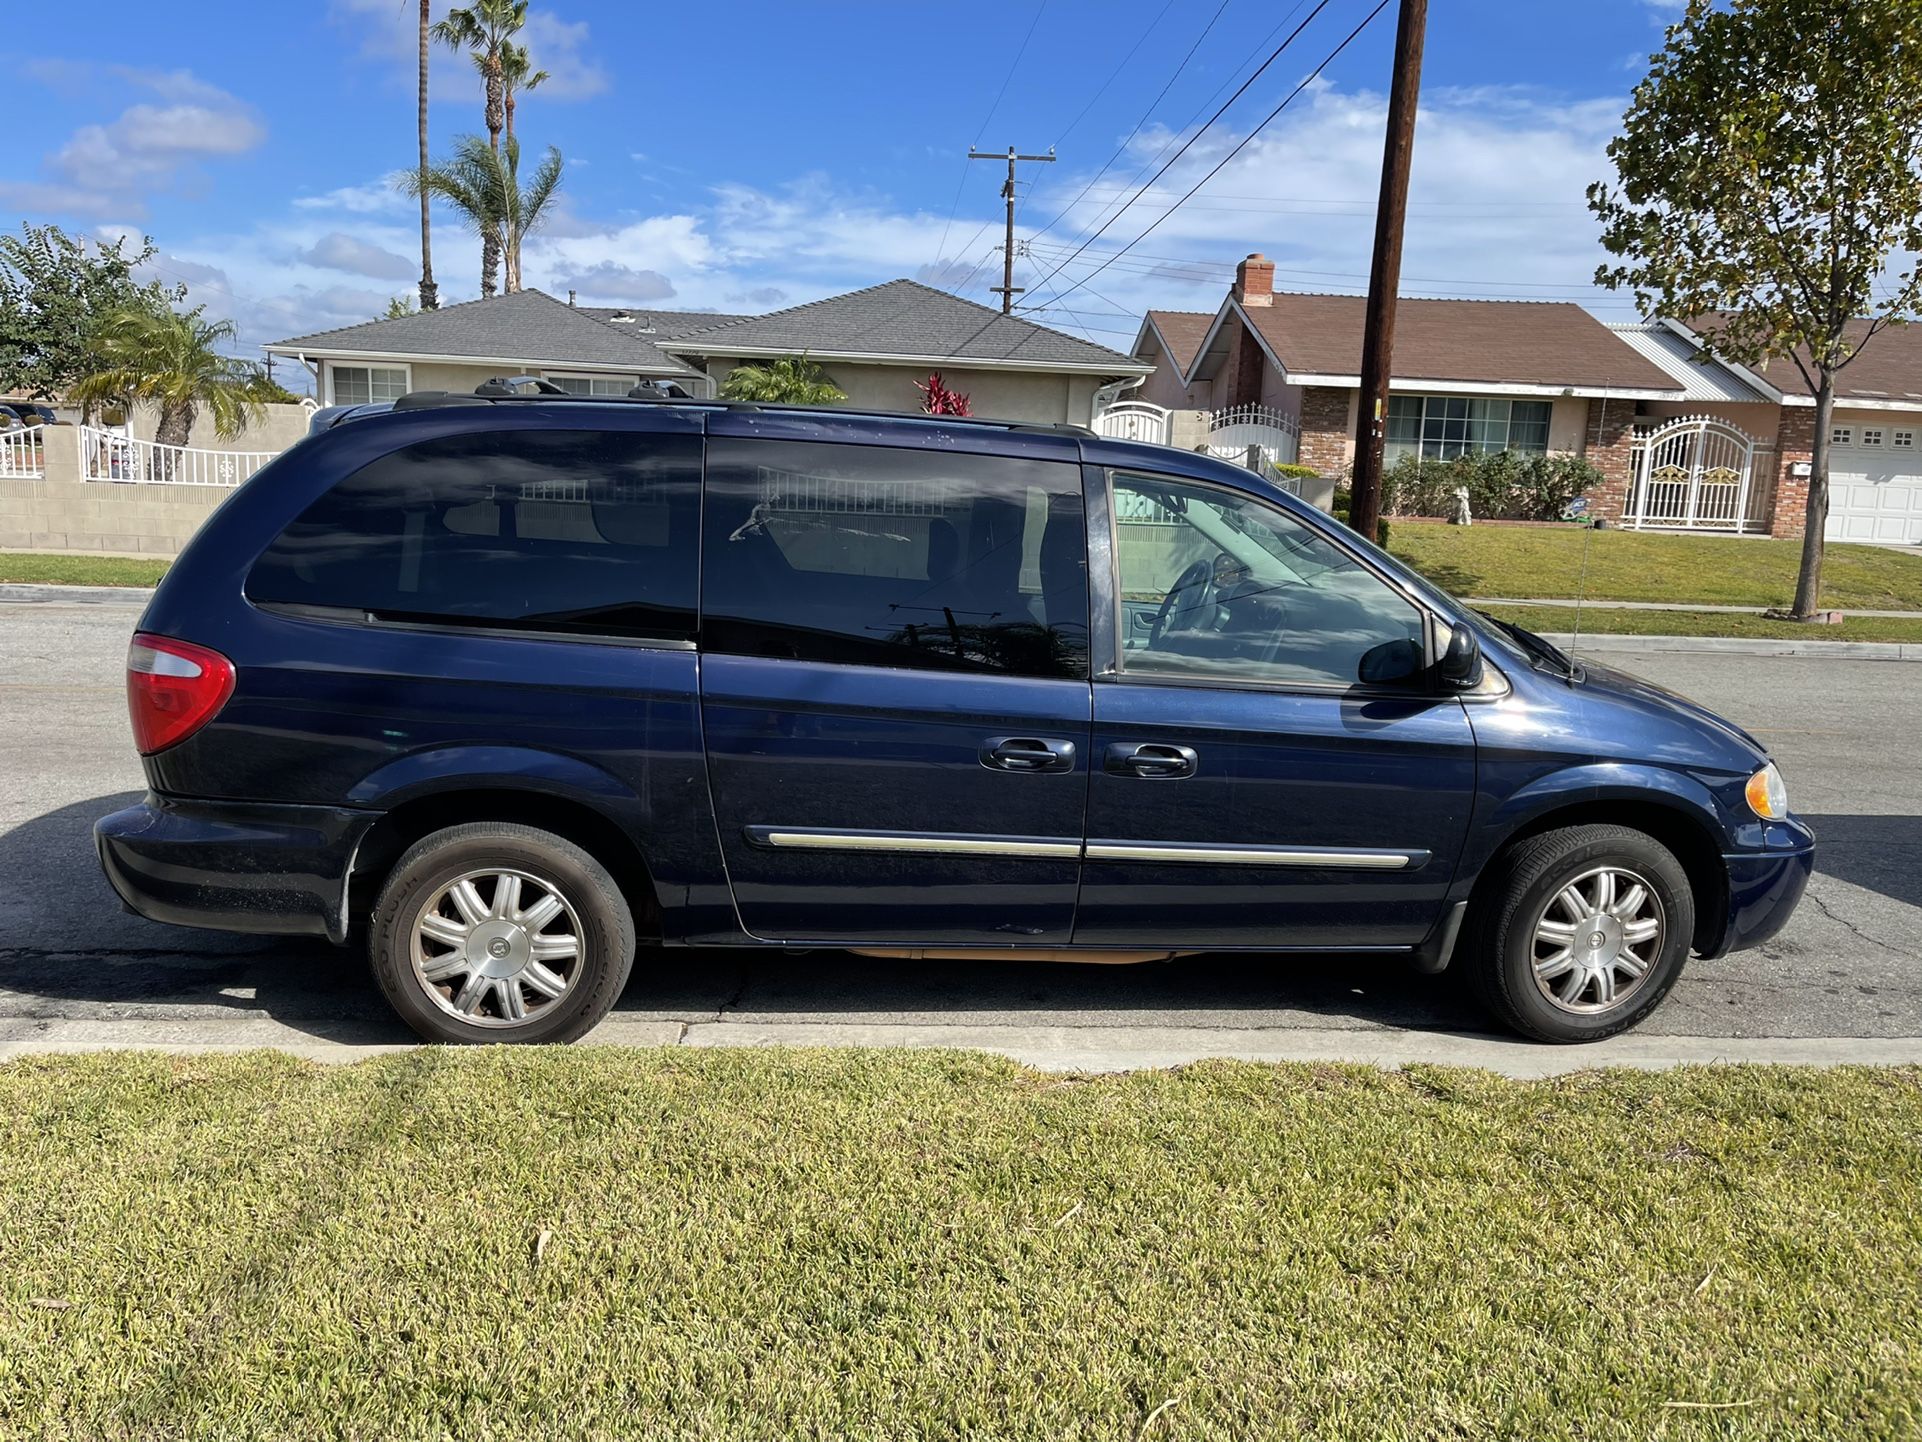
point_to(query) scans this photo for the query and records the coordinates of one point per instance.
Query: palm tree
(483, 185)
(170, 360)
(516, 75)
(484, 30)
(793, 380)
(429, 292)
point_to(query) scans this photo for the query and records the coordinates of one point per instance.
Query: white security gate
(1276, 434)
(22, 455)
(1134, 421)
(1697, 474)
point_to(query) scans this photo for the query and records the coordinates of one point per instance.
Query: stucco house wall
(996, 395)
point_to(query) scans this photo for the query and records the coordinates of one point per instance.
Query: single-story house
(875, 344)
(1682, 441)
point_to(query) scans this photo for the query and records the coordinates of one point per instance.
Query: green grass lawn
(1526, 562)
(781, 1243)
(61, 568)
(1598, 621)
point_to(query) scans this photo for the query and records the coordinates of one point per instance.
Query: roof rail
(495, 391)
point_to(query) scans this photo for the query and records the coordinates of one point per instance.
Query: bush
(1340, 510)
(1502, 485)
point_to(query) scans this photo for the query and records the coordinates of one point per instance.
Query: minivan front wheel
(1582, 932)
(496, 932)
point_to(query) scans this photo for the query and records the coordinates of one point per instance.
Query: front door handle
(1151, 760)
(1027, 753)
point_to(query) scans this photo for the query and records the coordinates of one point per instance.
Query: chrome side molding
(914, 843)
(1061, 848)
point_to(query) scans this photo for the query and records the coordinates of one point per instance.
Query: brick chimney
(1255, 280)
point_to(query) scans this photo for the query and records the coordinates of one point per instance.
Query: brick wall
(1324, 429)
(1246, 363)
(1607, 441)
(1794, 442)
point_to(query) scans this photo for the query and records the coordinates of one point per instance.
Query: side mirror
(1460, 667)
(1390, 662)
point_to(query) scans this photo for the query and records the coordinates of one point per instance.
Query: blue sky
(747, 156)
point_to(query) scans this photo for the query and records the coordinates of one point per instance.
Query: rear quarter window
(573, 531)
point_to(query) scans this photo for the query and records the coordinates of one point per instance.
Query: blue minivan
(507, 686)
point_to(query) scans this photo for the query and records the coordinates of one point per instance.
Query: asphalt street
(1848, 735)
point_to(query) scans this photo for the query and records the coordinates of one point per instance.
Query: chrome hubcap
(1597, 941)
(497, 948)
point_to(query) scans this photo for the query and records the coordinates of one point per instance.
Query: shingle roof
(1701, 378)
(660, 325)
(904, 319)
(1889, 367)
(1182, 332)
(528, 325)
(1542, 343)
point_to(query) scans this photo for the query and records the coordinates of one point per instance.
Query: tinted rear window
(551, 530)
(868, 555)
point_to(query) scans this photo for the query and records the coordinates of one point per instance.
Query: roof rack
(502, 389)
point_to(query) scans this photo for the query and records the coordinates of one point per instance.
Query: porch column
(1794, 444)
(1608, 444)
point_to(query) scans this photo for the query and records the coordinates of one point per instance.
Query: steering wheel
(1199, 575)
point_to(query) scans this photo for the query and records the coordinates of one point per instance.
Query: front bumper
(234, 865)
(1763, 889)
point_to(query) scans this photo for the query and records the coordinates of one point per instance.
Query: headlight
(1768, 796)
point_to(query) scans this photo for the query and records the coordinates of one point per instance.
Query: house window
(1904, 440)
(594, 385)
(1871, 435)
(358, 385)
(1842, 436)
(1440, 428)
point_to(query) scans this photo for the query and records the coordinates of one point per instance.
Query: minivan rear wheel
(1581, 932)
(498, 932)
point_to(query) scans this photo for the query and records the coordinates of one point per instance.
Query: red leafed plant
(938, 400)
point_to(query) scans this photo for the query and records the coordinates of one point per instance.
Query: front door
(1249, 787)
(894, 686)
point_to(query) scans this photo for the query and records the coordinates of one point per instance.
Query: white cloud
(337, 250)
(611, 281)
(374, 198)
(563, 49)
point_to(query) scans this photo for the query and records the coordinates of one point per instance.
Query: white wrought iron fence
(1696, 473)
(1134, 421)
(108, 456)
(23, 453)
(1236, 430)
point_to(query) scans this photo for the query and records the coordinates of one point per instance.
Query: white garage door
(1875, 484)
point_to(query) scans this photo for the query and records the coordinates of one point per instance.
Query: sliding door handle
(1027, 753)
(1151, 760)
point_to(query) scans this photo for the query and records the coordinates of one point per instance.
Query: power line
(962, 185)
(1276, 55)
(1122, 149)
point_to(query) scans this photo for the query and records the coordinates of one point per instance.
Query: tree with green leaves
(792, 380)
(1769, 173)
(55, 292)
(397, 307)
(485, 30)
(172, 360)
(517, 74)
(483, 186)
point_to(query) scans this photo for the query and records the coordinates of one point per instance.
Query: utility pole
(1384, 275)
(1007, 289)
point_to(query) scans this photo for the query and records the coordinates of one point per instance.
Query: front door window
(1218, 586)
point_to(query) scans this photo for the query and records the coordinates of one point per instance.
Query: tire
(458, 961)
(1515, 943)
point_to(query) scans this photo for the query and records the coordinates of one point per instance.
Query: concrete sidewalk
(1048, 1048)
(1591, 604)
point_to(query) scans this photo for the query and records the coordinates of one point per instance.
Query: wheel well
(601, 838)
(1694, 846)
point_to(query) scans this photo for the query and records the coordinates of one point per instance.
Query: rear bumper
(1763, 890)
(234, 865)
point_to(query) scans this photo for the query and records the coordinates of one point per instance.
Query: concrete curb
(36, 595)
(1745, 646)
(1567, 602)
(1056, 1049)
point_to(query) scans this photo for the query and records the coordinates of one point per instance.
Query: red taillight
(173, 689)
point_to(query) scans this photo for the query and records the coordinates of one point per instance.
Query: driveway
(75, 969)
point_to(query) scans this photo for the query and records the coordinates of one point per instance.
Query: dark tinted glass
(880, 557)
(550, 530)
